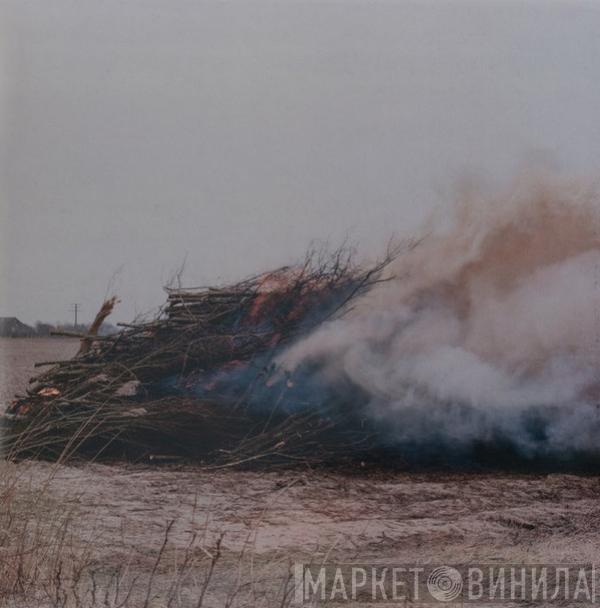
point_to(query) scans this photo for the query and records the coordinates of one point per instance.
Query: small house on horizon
(11, 327)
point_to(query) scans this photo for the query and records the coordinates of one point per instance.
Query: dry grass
(49, 557)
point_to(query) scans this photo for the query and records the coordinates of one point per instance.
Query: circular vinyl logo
(444, 583)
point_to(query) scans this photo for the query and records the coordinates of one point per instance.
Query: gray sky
(134, 133)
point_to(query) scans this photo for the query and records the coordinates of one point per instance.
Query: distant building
(11, 327)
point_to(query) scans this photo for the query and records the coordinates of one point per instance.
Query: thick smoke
(489, 330)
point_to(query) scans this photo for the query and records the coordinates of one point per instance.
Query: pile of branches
(198, 381)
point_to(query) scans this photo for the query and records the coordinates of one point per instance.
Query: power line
(75, 307)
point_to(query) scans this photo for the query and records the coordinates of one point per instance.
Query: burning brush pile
(199, 381)
(487, 344)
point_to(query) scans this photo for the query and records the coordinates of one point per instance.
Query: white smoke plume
(490, 328)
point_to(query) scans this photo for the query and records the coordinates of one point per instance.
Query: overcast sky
(135, 134)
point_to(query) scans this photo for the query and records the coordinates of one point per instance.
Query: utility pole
(75, 308)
